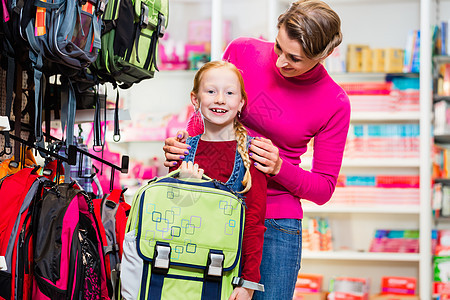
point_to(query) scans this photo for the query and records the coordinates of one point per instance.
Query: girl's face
(291, 59)
(219, 98)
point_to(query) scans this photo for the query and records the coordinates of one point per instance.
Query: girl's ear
(195, 101)
(241, 105)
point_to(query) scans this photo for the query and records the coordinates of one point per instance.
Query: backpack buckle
(144, 15)
(100, 8)
(214, 266)
(162, 25)
(161, 258)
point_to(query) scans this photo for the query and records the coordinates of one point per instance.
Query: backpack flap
(194, 218)
(150, 22)
(77, 39)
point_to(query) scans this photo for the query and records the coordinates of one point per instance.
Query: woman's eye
(295, 59)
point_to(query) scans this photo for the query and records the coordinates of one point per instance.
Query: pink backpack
(68, 251)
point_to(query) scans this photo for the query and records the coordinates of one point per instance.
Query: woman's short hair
(314, 25)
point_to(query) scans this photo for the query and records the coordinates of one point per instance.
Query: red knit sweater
(217, 159)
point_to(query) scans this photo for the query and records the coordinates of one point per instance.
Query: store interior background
(158, 107)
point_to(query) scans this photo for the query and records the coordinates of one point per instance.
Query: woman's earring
(239, 114)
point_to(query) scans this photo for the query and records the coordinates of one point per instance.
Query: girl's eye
(230, 93)
(210, 92)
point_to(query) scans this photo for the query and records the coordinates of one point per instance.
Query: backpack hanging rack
(72, 154)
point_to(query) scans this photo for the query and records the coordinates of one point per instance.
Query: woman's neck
(218, 133)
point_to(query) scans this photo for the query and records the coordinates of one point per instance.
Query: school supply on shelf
(316, 234)
(349, 288)
(383, 140)
(309, 283)
(398, 94)
(398, 285)
(442, 116)
(183, 236)
(396, 241)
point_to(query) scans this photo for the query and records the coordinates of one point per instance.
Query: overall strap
(236, 177)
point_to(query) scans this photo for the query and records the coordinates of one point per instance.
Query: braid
(241, 137)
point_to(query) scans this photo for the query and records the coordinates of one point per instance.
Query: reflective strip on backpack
(39, 27)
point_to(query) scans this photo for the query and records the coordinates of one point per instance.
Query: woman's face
(291, 58)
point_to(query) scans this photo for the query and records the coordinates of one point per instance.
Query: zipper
(21, 258)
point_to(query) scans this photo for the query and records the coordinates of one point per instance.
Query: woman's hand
(266, 155)
(175, 148)
(190, 170)
(240, 293)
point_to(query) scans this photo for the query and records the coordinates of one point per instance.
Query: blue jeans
(281, 259)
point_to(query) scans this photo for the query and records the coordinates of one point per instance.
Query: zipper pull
(22, 237)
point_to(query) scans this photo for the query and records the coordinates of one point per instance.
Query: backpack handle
(175, 173)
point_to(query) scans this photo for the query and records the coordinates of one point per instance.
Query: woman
(291, 99)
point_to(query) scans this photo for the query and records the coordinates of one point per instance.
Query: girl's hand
(240, 293)
(175, 148)
(190, 170)
(266, 155)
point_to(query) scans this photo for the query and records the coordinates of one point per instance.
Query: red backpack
(18, 195)
(112, 213)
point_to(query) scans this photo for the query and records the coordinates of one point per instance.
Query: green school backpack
(183, 240)
(129, 41)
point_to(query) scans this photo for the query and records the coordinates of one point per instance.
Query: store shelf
(357, 209)
(395, 162)
(407, 116)
(366, 256)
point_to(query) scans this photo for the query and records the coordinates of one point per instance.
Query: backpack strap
(212, 279)
(68, 108)
(160, 267)
(9, 98)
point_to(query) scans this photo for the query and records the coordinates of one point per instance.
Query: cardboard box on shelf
(378, 60)
(366, 60)
(394, 297)
(398, 285)
(354, 57)
(309, 283)
(310, 296)
(393, 60)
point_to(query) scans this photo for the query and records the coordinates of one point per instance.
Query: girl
(221, 153)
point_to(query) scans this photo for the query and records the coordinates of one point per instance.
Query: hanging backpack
(18, 196)
(68, 251)
(183, 240)
(132, 29)
(112, 213)
(64, 38)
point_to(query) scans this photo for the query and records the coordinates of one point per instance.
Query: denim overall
(235, 180)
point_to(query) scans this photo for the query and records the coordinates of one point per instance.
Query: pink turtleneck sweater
(291, 111)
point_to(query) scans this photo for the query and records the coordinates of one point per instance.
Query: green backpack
(129, 43)
(183, 240)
